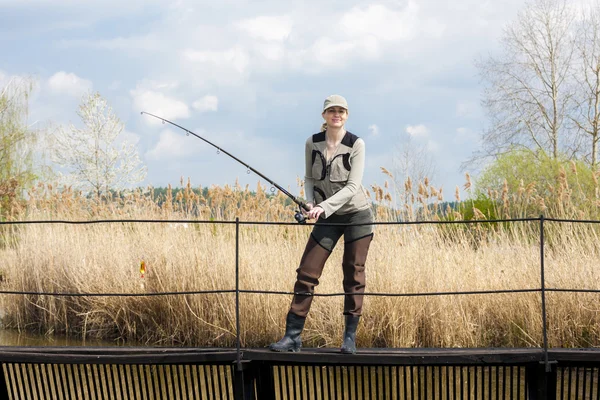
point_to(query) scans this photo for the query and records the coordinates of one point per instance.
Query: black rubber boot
(291, 340)
(349, 345)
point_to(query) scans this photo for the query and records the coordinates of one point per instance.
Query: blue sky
(251, 76)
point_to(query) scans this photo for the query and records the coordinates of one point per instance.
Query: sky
(251, 77)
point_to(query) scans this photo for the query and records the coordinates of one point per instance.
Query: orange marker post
(142, 268)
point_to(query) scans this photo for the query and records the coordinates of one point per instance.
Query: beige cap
(335, 100)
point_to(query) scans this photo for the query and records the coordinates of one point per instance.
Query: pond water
(9, 337)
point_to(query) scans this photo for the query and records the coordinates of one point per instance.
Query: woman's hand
(315, 212)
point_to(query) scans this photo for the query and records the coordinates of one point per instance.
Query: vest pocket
(318, 165)
(339, 168)
(319, 195)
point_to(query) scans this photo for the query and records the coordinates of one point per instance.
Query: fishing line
(301, 205)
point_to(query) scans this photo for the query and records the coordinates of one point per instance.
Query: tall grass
(105, 258)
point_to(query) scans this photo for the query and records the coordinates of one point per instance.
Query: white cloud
(158, 85)
(389, 25)
(375, 48)
(271, 51)
(146, 43)
(226, 67)
(206, 103)
(69, 83)
(379, 21)
(417, 131)
(129, 137)
(369, 33)
(234, 58)
(157, 103)
(373, 130)
(330, 53)
(89, 8)
(270, 28)
(171, 145)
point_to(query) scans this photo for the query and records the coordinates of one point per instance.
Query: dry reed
(105, 258)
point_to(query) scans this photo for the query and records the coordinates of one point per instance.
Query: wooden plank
(124, 358)
(401, 356)
(320, 356)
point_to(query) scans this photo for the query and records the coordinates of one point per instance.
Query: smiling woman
(334, 161)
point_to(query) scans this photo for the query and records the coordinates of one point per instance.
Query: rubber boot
(353, 265)
(308, 274)
(349, 344)
(291, 340)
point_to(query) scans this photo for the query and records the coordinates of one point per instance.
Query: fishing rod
(301, 205)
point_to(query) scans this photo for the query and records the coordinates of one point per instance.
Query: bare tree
(586, 115)
(412, 160)
(528, 94)
(95, 160)
(413, 165)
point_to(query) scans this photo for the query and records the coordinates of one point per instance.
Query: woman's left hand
(315, 212)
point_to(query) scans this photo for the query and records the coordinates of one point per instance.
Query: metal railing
(247, 374)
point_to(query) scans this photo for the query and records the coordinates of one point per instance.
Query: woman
(335, 160)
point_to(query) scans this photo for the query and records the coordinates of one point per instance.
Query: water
(9, 337)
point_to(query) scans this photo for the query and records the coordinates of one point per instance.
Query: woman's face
(335, 116)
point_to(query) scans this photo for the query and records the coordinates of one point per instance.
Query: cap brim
(345, 107)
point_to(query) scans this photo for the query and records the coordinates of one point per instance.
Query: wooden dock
(217, 373)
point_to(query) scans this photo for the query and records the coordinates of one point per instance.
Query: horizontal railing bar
(179, 358)
(574, 290)
(112, 221)
(500, 291)
(64, 294)
(275, 223)
(225, 222)
(230, 291)
(391, 356)
(247, 291)
(324, 223)
(585, 221)
(116, 350)
(315, 356)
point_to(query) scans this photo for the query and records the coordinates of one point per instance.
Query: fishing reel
(299, 216)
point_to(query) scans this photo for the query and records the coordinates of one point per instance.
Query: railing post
(543, 292)
(243, 374)
(244, 378)
(237, 294)
(265, 381)
(541, 384)
(541, 381)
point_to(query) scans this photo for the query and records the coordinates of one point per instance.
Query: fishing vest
(330, 177)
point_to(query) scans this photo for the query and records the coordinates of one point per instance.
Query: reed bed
(404, 259)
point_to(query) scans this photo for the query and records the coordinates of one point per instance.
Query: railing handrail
(240, 222)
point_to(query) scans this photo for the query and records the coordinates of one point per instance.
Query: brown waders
(318, 249)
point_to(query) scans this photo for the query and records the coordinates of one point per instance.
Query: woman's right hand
(310, 206)
(315, 212)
